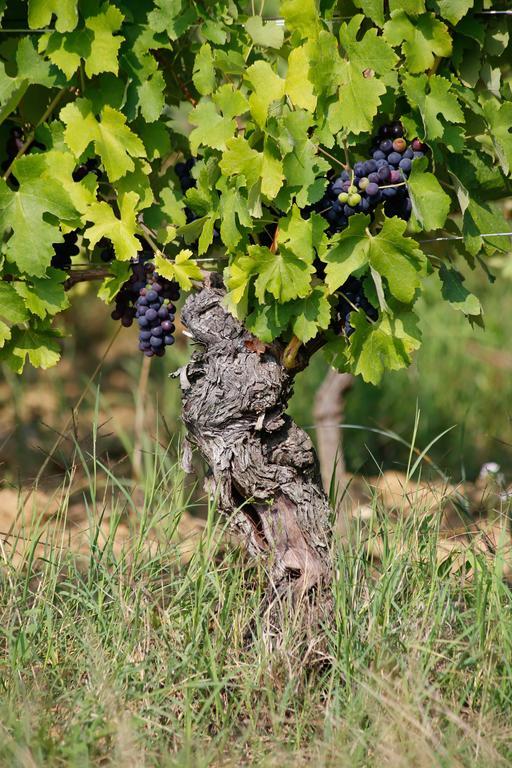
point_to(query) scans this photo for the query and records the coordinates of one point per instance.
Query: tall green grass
(134, 657)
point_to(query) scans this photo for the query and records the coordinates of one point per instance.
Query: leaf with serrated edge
(267, 35)
(384, 345)
(430, 203)
(183, 269)
(358, 101)
(44, 296)
(40, 14)
(349, 252)
(456, 293)
(398, 259)
(422, 39)
(267, 87)
(283, 274)
(439, 100)
(121, 232)
(12, 306)
(297, 84)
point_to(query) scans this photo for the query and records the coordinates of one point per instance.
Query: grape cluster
(63, 252)
(155, 314)
(352, 298)
(380, 179)
(148, 298)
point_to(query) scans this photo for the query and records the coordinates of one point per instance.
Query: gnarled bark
(235, 392)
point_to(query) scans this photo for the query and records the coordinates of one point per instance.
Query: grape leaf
(240, 159)
(430, 203)
(121, 232)
(169, 16)
(301, 236)
(374, 9)
(213, 130)
(40, 14)
(267, 88)
(438, 101)
(120, 272)
(267, 35)
(384, 345)
(421, 39)
(297, 85)
(39, 344)
(204, 72)
(231, 102)
(358, 101)
(310, 314)
(114, 141)
(23, 211)
(455, 292)
(151, 97)
(272, 175)
(268, 321)
(44, 296)
(283, 274)
(183, 269)
(398, 259)
(105, 45)
(411, 7)
(31, 68)
(302, 16)
(349, 252)
(12, 307)
(372, 52)
(454, 10)
(499, 118)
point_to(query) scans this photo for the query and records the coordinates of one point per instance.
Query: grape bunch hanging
(148, 298)
(380, 179)
(352, 298)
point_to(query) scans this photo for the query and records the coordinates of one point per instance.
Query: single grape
(372, 189)
(354, 199)
(418, 146)
(144, 335)
(359, 169)
(157, 330)
(152, 296)
(395, 177)
(409, 153)
(371, 166)
(385, 146)
(143, 322)
(400, 145)
(348, 211)
(405, 165)
(343, 197)
(363, 183)
(384, 172)
(163, 313)
(379, 155)
(373, 178)
(156, 342)
(352, 189)
(167, 326)
(394, 158)
(151, 315)
(168, 340)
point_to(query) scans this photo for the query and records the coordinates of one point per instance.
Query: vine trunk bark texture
(235, 391)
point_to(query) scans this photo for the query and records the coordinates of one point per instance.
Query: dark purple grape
(394, 158)
(409, 153)
(167, 326)
(143, 322)
(348, 211)
(371, 166)
(359, 169)
(145, 335)
(374, 178)
(151, 296)
(151, 314)
(156, 342)
(163, 313)
(384, 172)
(157, 331)
(395, 177)
(379, 155)
(405, 164)
(389, 192)
(397, 130)
(385, 146)
(417, 155)
(372, 189)
(149, 353)
(168, 340)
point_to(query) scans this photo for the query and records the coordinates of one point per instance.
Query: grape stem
(30, 138)
(331, 157)
(85, 276)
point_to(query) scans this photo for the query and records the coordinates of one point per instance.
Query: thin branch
(85, 276)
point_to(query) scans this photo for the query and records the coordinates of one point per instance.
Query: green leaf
(12, 307)
(233, 208)
(266, 34)
(301, 236)
(231, 102)
(40, 14)
(301, 16)
(151, 97)
(204, 72)
(421, 39)
(114, 141)
(349, 252)
(38, 344)
(267, 88)
(121, 232)
(31, 69)
(171, 17)
(183, 269)
(433, 97)
(454, 10)
(411, 7)
(240, 159)
(358, 101)
(384, 345)
(44, 296)
(310, 314)
(213, 130)
(374, 9)
(372, 52)
(454, 291)
(298, 85)
(238, 277)
(268, 321)
(272, 175)
(398, 259)
(283, 274)
(430, 203)
(23, 211)
(104, 46)
(499, 118)
(120, 272)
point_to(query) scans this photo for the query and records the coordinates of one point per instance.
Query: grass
(134, 656)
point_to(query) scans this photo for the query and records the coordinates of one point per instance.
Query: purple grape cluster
(380, 179)
(62, 252)
(352, 298)
(129, 292)
(155, 314)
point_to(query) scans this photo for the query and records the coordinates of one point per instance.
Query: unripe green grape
(343, 197)
(363, 183)
(352, 190)
(354, 199)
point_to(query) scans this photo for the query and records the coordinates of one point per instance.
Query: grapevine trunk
(266, 477)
